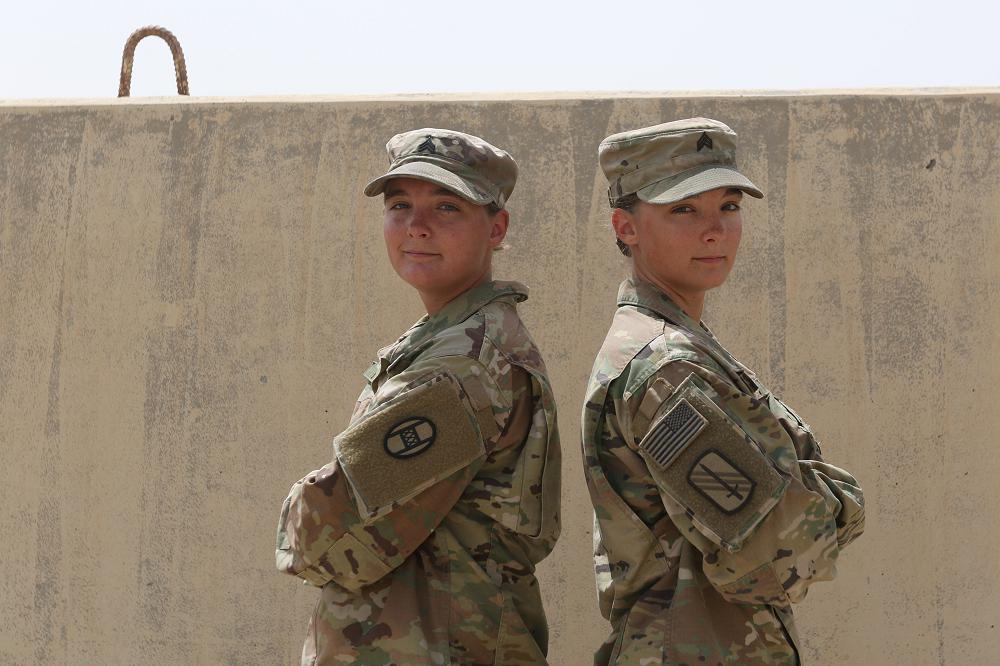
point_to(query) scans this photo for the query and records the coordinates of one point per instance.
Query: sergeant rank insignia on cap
(704, 141)
(427, 146)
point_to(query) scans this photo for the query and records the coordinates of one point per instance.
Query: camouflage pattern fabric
(672, 592)
(445, 576)
(467, 165)
(672, 161)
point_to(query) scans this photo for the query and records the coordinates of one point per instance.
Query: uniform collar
(640, 293)
(464, 306)
(454, 312)
(634, 291)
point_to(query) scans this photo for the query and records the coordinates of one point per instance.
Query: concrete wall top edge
(499, 96)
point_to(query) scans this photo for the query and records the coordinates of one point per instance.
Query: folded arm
(730, 474)
(398, 471)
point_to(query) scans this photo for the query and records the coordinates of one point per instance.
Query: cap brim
(433, 174)
(688, 184)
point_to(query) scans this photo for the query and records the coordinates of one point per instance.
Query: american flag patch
(673, 433)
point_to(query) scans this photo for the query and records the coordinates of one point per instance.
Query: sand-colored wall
(190, 290)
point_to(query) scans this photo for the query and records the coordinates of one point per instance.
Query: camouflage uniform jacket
(425, 529)
(692, 567)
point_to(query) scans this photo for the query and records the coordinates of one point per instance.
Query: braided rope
(180, 69)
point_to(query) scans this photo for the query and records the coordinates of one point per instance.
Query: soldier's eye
(399, 205)
(731, 206)
(448, 206)
(682, 209)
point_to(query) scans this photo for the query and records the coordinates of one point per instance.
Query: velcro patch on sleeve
(672, 433)
(704, 461)
(411, 442)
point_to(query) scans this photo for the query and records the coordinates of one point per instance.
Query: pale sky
(73, 49)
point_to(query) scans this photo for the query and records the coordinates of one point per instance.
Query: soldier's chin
(424, 278)
(721, 279)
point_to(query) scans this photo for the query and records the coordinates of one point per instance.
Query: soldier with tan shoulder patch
(714, 510)
(424, 530)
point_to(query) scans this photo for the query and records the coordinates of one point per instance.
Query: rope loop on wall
(180, 69)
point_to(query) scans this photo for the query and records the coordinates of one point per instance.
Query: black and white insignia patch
(410, 437)
(704, 141)
(427, 146)
(672, 433)
(721, 482)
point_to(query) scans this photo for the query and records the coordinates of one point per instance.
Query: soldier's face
(438, 242)
(689, 245)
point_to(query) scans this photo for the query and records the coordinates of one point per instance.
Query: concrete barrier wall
(190, 290)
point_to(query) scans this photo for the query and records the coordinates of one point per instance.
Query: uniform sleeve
(397, 472)
(743, 480)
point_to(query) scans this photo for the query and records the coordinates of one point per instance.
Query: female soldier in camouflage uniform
(714, 509)
(425, 529)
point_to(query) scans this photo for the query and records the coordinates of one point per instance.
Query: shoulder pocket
(407, 444)
(704, 461)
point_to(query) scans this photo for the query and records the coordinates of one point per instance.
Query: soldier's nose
(417, 226)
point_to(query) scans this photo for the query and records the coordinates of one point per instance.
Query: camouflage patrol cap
(672, 161)
(467, 165)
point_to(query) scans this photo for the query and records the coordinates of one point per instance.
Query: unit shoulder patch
(414, 440)
(410, 437)
(721, 482)
(704, 461)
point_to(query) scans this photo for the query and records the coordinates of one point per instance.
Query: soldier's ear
(498, 229)
(624, 225)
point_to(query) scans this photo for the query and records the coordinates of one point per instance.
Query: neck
(434, 301)
(691, 302)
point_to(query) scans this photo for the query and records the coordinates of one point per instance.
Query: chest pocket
(806, 445)
(517, 477)
(363, 403)
(779, 408)
(537, 473)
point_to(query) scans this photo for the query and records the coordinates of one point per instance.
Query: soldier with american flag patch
(714, 510)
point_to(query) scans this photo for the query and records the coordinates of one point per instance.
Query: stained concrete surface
(189, 291)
